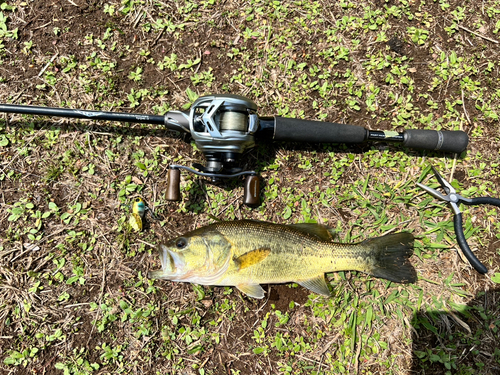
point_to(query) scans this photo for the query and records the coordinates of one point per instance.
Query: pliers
(454, 200)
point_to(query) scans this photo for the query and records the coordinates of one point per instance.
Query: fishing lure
(138, 213)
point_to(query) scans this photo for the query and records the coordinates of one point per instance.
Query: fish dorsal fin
(252, 257)
(317, 230)
(316, 284)
(251, 290)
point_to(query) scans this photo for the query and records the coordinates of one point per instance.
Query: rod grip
(297, 130)
(443, 140)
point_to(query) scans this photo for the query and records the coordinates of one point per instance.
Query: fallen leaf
(136, 181)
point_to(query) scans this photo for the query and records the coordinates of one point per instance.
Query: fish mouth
(172, 264)
(174, 268)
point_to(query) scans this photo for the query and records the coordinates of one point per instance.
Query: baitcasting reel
(225, 126)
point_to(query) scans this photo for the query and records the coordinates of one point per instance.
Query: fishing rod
(223, 127)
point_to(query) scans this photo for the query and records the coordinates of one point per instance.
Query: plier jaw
(451, 194)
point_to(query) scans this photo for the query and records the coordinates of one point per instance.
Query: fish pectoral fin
(252, 257)
(317, 230)
(317, 285)
(251, 290)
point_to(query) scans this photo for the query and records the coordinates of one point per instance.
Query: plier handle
(454, 200)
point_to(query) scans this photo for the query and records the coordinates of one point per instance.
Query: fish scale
(248, 253)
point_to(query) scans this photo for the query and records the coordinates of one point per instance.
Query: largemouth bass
(248, 253)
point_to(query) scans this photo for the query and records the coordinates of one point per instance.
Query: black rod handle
(297, 130)
(462, 242)
(443, 140)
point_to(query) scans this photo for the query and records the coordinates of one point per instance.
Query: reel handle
(252, 191)
(251, 196)
(173, 185)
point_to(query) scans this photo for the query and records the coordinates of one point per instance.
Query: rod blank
(83, 114)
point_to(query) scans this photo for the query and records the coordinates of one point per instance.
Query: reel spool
(223, 127)
(236, 121)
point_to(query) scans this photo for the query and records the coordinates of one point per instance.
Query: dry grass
(73, 293)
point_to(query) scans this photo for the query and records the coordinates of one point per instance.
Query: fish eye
(181, 243)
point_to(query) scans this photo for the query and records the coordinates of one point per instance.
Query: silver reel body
(223, 127)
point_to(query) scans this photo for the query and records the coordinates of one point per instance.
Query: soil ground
(74, 296)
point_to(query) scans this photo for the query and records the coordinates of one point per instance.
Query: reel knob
(173, 184)
(252, 191)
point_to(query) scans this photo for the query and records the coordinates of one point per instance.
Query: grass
(74, 298)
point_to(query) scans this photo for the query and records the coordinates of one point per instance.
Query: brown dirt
(112, 266)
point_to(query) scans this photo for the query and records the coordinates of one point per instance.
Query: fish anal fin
(251, 290)
(252, 257)
(319, 231)
(317, 285)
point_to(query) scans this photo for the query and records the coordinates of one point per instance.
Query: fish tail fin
(391, 255)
